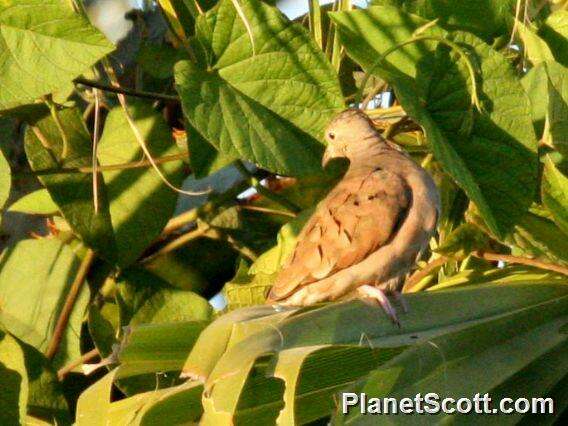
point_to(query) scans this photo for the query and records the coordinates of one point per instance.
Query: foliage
(104, 311)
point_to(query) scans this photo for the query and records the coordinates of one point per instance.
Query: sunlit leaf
(44, 270)
(270, 106)
(44, 45)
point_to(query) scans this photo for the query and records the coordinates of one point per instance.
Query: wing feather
(355, 219)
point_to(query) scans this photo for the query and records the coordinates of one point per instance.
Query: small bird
(368, 232)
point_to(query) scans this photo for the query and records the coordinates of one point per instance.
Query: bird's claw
(376, 294)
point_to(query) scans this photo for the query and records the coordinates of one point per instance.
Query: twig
(124, 91)
(178, 242)
(95, 163)
(419, 275)
(495, 257)
(267, 210)
(122, 166)
(84, 359)
(74, 291)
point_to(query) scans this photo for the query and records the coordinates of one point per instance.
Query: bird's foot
(368, 292)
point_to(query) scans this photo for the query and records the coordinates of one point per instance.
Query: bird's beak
(327, 155)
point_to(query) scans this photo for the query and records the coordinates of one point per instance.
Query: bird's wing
(355, 219)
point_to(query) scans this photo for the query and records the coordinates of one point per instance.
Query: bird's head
(350, 134)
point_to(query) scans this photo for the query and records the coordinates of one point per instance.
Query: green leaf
(43, 270)
(46, 399)
(171, 305)
(487, 19)
(463, 240)
(95, 408)
(5, 180)
(537, 236)
(491, 312)
(149, 299)
(535, 47)
(558, 105)
(245, 289)
(154, 348)
(487, 354)
(555, 194)
(466, 142)
(38, 202)
(270, 106)
(177, 405)
(140, 203)
(101, 328)
(44, 45)
(369, 33)
(555, 33)
(46, 143)
(13, 381)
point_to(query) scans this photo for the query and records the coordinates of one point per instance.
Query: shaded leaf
(555, 33)
(49, 148)
(140, 203)
(13, 381)
(5, 180)
(44, 45)
(555, 194)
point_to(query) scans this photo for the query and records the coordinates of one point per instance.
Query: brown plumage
(370, 228)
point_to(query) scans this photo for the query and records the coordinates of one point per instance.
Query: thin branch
(128, 92)
(74, 291)
(178, 242)
(267, 210)
(495, 257)
(95, 162)
(84, 359)
(419, 275)
(122, 166)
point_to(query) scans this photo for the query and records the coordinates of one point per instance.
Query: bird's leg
(371, 292)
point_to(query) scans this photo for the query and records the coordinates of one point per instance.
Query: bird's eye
(331, 135)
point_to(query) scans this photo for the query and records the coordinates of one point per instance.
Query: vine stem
(88, 170)
(127, 92)
(74, 291)
(140, 138)
(495, 257)
(84, 359)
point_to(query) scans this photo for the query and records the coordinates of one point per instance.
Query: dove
(368, 232)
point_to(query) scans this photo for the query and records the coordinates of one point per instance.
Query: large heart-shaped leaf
(43, 46)
(490, 156)
(265, 100)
